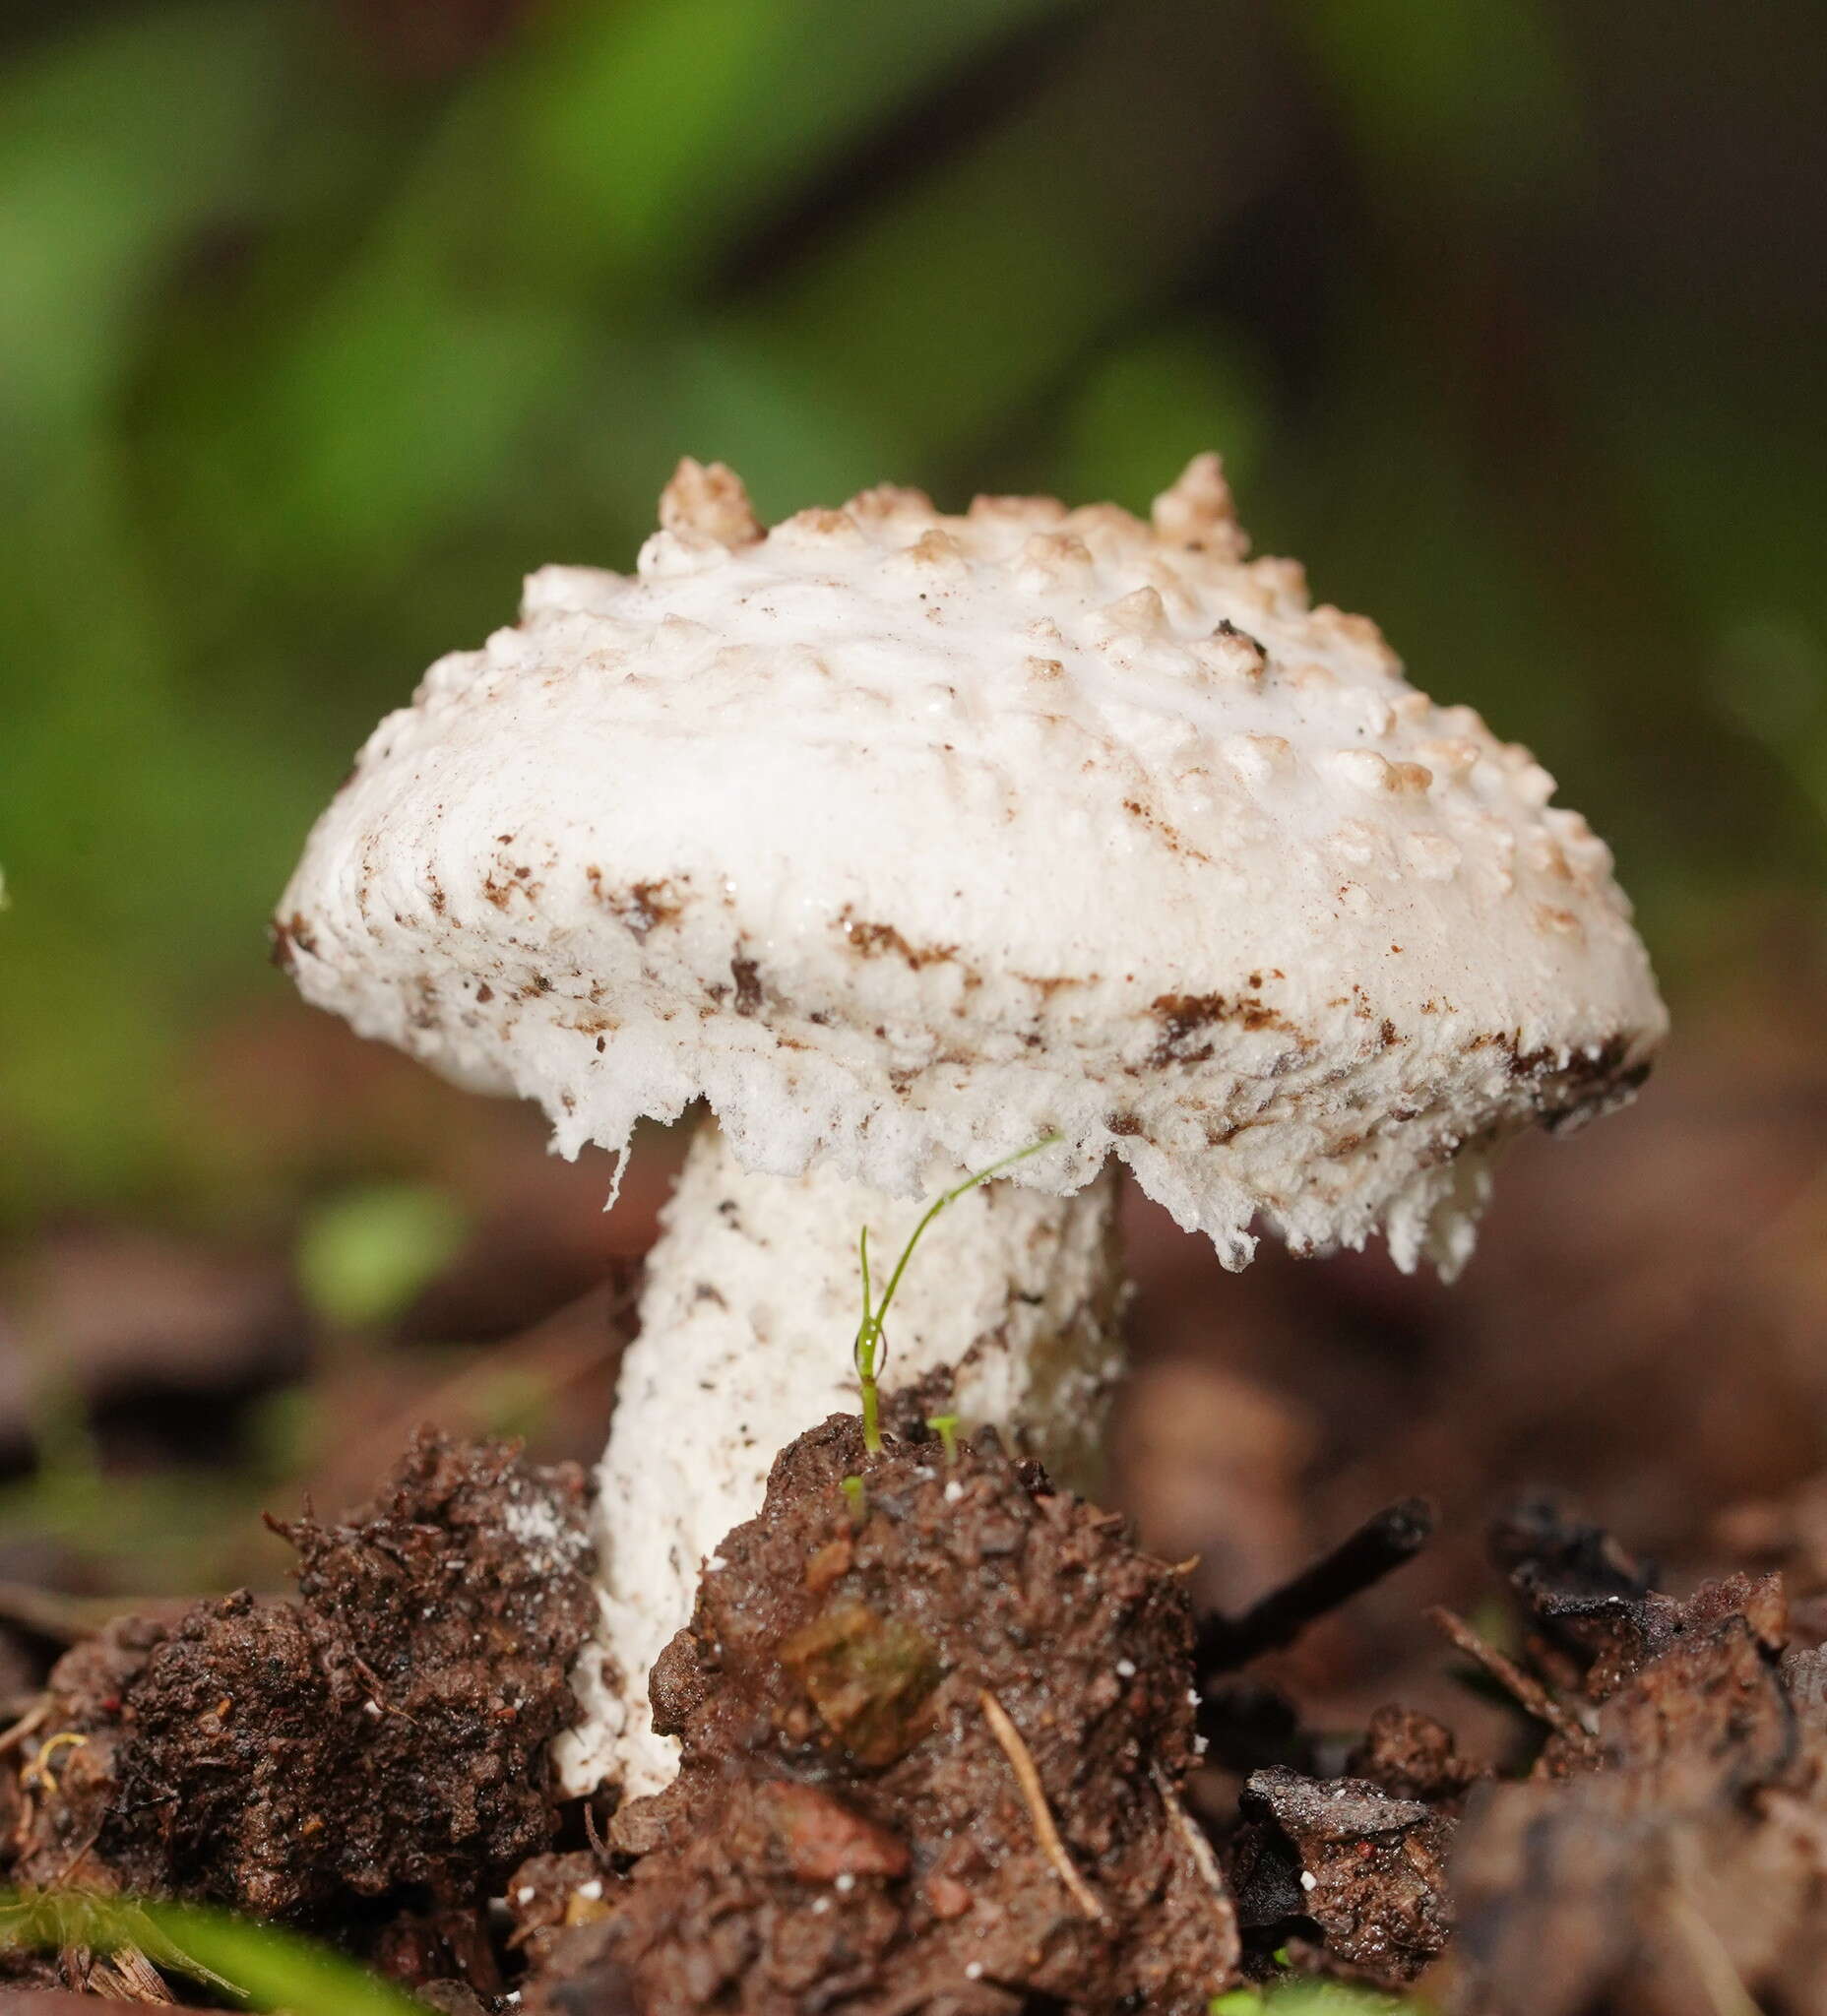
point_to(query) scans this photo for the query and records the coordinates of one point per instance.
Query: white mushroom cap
(904, 838)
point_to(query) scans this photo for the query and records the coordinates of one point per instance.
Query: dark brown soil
(1676, 1846)
(372, 1755)
(1344, 1857)
(934, 1753)
(940, 1759)
(1664, 1852)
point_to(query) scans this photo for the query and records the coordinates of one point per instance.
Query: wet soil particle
(389, 1729)
(1411, 1757)
(1366, 1869)
(850, 1829)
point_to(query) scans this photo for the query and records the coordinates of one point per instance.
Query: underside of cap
(900, 836)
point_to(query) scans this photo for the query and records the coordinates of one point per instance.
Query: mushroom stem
(1009, 1316)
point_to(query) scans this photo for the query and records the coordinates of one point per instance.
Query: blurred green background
(320, 325)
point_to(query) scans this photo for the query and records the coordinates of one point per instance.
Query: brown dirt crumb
(387, 1732)
(1367, 1868)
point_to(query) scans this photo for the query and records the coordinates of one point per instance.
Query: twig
(45, 1613)
(1714, 1967)
(1394, 1536)
(1204, 1857)
(1021, 1762)
(1523, 1689)
(75, 1861)
(1805, 1826)
(35, 1718)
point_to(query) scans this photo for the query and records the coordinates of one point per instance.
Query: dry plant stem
(33, 1719)
(75, 1863)
(1523, 1689)
(1204, 1857)
(1719, 1980)
(127, 1976)
(1021, 1762)
(1381, 1545)
(63, 1620)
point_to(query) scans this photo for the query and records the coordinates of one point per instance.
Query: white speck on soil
(550, 1545)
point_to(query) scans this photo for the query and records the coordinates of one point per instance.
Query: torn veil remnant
(904, 840)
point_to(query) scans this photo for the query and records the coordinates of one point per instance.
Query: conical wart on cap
(907, 838)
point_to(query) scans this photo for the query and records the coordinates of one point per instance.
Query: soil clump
(369, 1760)
(936, 1724)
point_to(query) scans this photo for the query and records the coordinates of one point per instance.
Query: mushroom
(907, 840)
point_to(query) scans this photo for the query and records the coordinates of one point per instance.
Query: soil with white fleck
(370, 1760)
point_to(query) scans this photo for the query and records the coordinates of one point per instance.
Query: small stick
(76, 1861)
(35, 1718)
(1204, 1857)
(1021, 1762)
(1381, 1544)
(1716, 1970)
(1523, 1689)
(47, 1613)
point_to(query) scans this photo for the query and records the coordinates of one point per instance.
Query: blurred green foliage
(320, 327)
(253, 1965)
(1298, 1996)
(364, 1254)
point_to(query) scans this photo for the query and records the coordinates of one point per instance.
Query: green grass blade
(261, 1966)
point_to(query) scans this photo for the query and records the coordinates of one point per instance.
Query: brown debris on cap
(711, 499)
(1401, 954)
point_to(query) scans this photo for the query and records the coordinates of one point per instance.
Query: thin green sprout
(868, 1364)
(945, 1426)
(869, 1352)
(857, 1495)
(256, 1965)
